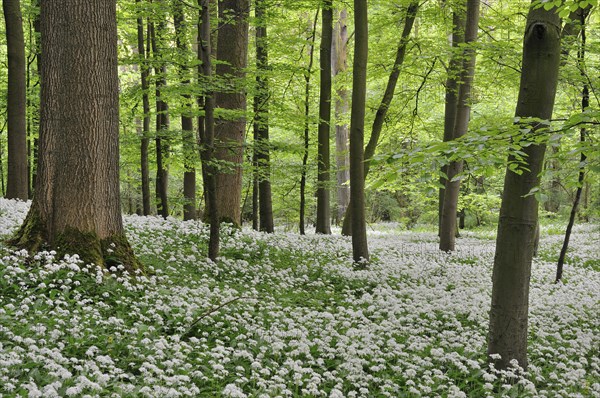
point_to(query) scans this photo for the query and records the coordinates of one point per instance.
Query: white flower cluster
(299, 321)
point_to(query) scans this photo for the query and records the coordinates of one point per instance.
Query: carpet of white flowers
(286, 316)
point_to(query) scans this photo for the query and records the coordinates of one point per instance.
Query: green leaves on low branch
(488, 149)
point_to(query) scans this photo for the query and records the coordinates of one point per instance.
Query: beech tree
(339, 56)
(386, 100)
(307, 74)
(187, 120)
(323, 161)
(461, 124)
(360, 250)
(144, 140)
(206, 129)
(454, 69)
(18, 179)
(261, 123)
(156, 33)
(76, 207)
(519, 210)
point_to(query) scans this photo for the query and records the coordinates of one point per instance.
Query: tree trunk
(323, 156)
(585, 103)
(144, 142)
(232, 53)
(307, 73)
(454, 69)
(388, 95)
(461, 124)
(519, 211)
(187, 121)
(207, 133)
(162, 121)
(77, 206)
(261, 122)
(18, 180)
(360, 250)
(255, 215)
(339, 65)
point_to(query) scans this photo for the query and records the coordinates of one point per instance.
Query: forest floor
(284, 315)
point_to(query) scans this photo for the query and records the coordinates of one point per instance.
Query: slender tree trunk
(307, 124)
(261, 121)
(255, 210)
(454, 69)
(2, 183)
(232, 52)
(207, 133)
(519, 211)
(162, 121)
(144, 142)
(586, 200)
(33, 153)
(388, 95)
(18, 181)
(323, 157)
(77, 206)
(461, 124)
(187, 120)
(585, 103)
(339, 65)
(360, 250)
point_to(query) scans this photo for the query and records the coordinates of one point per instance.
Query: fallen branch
(211, 311)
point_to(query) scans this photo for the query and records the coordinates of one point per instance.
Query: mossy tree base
(114, 250)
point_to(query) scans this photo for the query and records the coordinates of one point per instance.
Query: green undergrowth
(281, 315)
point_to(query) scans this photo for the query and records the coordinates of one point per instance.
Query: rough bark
(77, 206)
(307, 74)
(454, 66)
(323, 153)
(360, 250)
(232, 52)
(339, 54)
(261, 122)
(388, 95)
(207, 132)
(461, 124)
(187, 121)
(519, 211)
(17, 178)
(144, 141)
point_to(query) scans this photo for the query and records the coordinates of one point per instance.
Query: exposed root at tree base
(111, 251)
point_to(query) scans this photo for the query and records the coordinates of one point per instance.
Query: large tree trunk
(232, 52)
(360, 250)
(187, 120)
(144, 141)
(77, 207)
(388, 95)
(454, 68)
(18, 180)
(461, 124)
(261, 124)
(323, 156)
(519, 211)
(339, 55)
(206, 128)
(307, 73)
